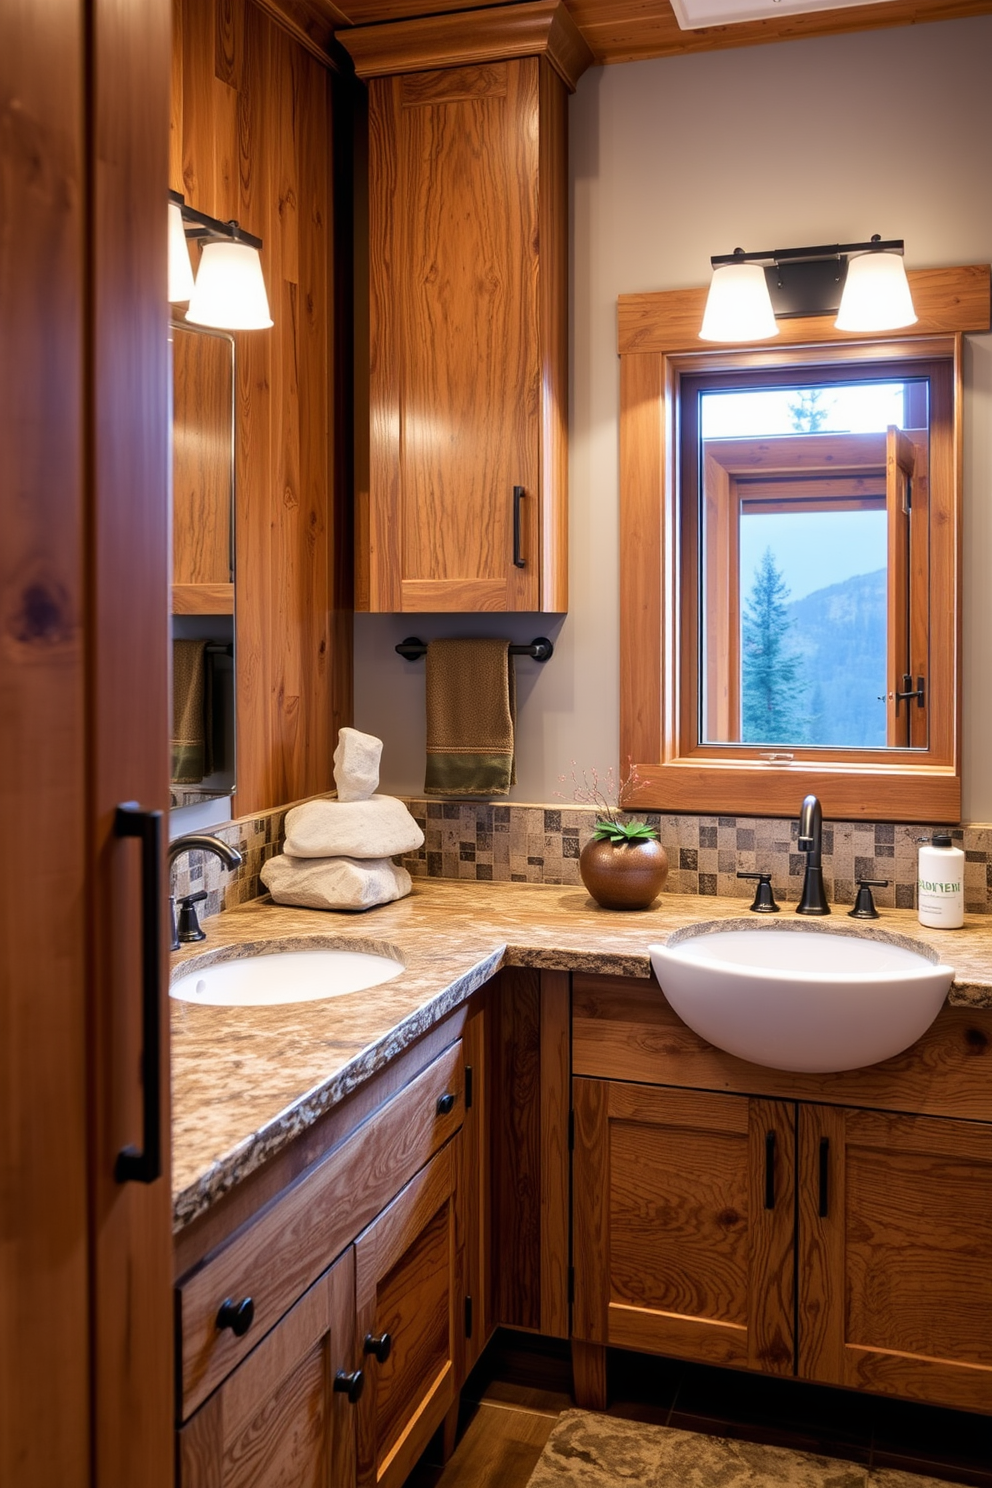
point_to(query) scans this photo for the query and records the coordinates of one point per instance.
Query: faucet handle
(187, 925)
(864, 904)
(764, 899)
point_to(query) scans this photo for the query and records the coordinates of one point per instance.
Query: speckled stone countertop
(246, 1081)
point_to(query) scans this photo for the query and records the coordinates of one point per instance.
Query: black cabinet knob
(381, 1347)
(445, 1104)
(238, 1316)
(351, 1385)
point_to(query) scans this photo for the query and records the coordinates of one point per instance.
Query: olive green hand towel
(470, 718)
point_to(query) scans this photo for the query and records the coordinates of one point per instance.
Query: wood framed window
(697, 497)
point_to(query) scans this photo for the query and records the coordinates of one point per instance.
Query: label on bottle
(941, 887)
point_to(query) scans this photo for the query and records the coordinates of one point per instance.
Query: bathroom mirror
(203, 639)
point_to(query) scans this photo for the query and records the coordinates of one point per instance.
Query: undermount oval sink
(794, 997)
(273, 977)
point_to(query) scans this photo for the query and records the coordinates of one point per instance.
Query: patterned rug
(586, 1450)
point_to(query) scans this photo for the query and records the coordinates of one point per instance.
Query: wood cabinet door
(278, 1421)
(895, 1254)
(406, 1286)
(684, 1225)
(467, 403)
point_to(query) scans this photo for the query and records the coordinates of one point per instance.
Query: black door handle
(518, 495)
(824, 1177)
(770, 1170)
(132, 1165)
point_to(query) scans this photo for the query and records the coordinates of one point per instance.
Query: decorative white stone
(381, 827)
(356, 765)
(334, 883)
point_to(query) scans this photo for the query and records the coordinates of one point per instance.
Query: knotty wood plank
(44, 1358)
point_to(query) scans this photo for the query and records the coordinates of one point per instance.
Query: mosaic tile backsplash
(539, 844)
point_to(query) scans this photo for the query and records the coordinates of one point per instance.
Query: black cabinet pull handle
(518, 495)
(351, 1384)
(380, 1347)
(445, 1104)
(824, 1177)
(238, 1316)
(770, 1170)
(132, 1165)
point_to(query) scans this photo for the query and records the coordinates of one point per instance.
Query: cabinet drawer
(281, 1252)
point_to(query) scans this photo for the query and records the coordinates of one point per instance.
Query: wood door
(683, 1223)
(279, 1421)
(460, 325)
(895, 1254)
(407, 1286)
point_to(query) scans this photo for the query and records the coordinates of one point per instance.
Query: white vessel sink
(794, 997)
(284, 976)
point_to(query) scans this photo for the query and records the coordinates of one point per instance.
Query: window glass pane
(814, 565)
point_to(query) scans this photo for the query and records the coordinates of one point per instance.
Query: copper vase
(628, 875)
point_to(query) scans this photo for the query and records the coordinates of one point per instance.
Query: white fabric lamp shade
(229, 293)
(876, 294)
(180, 268)
(738, 307)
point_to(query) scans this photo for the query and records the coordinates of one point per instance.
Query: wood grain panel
(516, 1217)
(555, 1056)
(407, 1283)
(277, 1419)
(260, 122)
(203, 599)
(541, 27)
(44, 1256)
(677, 1247)
(624, 1028)
(273, 1259)
(126, 370)
(202, 458)
(474, 1186)
(893, 1247)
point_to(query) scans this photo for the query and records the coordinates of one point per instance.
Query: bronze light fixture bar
(807, 281)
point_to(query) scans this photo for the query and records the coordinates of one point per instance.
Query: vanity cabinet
(283, 1309)
(809, 1225)
(465, 507)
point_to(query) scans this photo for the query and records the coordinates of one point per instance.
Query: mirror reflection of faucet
(187, 928)
(814, 899)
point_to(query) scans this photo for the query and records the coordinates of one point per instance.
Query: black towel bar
(540, 649)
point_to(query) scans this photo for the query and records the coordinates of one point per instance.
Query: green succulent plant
(624, 833)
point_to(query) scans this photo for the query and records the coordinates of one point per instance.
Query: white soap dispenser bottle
(941, 883)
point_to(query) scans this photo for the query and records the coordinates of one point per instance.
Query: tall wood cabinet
(465, 506)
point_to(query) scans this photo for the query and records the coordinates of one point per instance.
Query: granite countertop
(246, 1081)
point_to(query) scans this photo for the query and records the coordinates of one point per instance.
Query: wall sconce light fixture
(865, 284)
(228, 292)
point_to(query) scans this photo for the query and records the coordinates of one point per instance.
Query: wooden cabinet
(279, 1418)
(466, 501)
(324, 1329)
(812, 1236)
(684, 1223)
(895, 1254)
(407, 1290)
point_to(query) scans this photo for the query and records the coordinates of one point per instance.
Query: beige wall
(672, 160)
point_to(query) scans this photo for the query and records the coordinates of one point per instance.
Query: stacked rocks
(339, 853)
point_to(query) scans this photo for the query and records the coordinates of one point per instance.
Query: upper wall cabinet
(466, 501)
